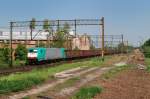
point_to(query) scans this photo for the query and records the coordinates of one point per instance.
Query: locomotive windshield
(33, 51)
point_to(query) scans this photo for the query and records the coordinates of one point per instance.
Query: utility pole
(11, 50)
(122, 47)
(31, 33)
(26, 39)
(112, 47)
(102, 52)
(58, 25)
(75, 25)
(127, 47)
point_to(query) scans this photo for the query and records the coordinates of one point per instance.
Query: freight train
(40, 55)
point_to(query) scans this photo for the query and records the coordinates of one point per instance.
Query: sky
(128, 17)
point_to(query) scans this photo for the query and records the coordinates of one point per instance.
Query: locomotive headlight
(32, 55)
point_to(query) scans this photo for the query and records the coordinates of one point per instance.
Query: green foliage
(92, 47)
(146, 51)
(19, 82)
(22, 81)
(146, 48)
(130, 48)
(21, 52)
(61, 35)
(121, 46)
(147, 61)
(6, 54)
(32, 23)
(40, 44)
(60, 39)
(114, 71)
(147, 43)
(87, 92)
(26, 97)
(76, 48)
(46, 25)
(68, 83)
(66, 29)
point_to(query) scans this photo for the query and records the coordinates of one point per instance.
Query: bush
(114, 71)
(146, 51)
(21, 52)
(147, 61)
(6, 54)
(17, 83)
(87, 92)
(146, 48)
(40, 44)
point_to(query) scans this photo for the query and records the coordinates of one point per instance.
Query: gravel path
(93, 73)
(47, 86)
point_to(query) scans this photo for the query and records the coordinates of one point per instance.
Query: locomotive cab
(32, 54)
(36, 55)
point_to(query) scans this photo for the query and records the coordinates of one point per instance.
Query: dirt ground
(129, 84)
(54, 93)
(133, 83)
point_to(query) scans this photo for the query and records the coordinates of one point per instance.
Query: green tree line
(146, 48)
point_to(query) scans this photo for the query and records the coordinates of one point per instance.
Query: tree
(59, 39)
(47, 28)
(40, 44)
(32, 23)
(146, 48)
(46, 25)
(92, 47)
(32, 26)
(21, 52)
(6, 55)
(147, 43)
(61, 35)
(121, 47)
(66, 29)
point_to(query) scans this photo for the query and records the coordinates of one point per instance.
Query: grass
(147, 61)
(26, 97)
(87, 92)
(22, 81)
(67, 83)
(16, 63)
(111, 73)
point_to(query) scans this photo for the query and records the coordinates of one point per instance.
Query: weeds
(26, 97)
(147, 61)
(18, 82)
(114, 71)
(67, 83)
(87, 92)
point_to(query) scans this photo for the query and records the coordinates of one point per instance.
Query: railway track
(27, 68)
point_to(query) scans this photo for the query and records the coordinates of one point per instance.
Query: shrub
(21, 52)
(17, 83)
(87, 92)
(6, 54)
(146, 48)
